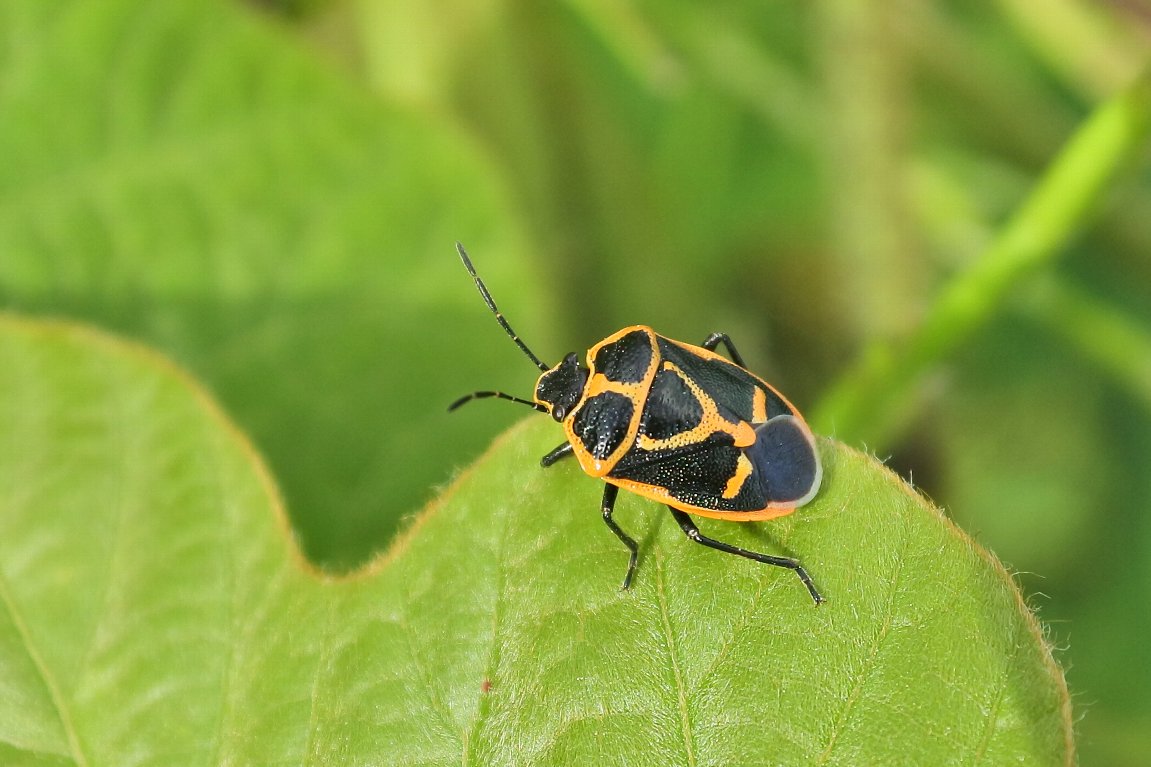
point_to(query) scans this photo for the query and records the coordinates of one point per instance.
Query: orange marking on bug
(599, 383)
(759, 406)
(738, 478)
(744, 434)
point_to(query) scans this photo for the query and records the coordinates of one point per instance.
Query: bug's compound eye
(561, 388)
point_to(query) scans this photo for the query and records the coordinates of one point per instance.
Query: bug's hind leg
(607, 507)
(561, 452)
(689, 528)
(715, 339)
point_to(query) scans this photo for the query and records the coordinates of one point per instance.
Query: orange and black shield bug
(679, 424)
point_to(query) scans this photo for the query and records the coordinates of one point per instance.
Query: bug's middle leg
(689, 528)
(715, 339)
(608, 506)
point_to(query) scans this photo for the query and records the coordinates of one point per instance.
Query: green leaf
(153, 609)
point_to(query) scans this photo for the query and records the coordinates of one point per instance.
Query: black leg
(688, 526)
(563, 451)
(608, 506)
(715, 339)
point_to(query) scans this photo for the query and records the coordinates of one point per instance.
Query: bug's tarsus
(715, 339)
(561, 452)
(498, 394)
(499, 315)
(689, 528)
(608, 506)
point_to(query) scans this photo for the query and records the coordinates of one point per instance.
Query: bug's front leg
(715, 339)
(563, 451)
(689, 528)
(608, 506)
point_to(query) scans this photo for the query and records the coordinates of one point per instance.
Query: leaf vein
(745, 620)
(322, 667)
(993, 713)
(872, 658)
(673, 655)
(230, 659)
(493, 661)
(435, 700)
(46, 675)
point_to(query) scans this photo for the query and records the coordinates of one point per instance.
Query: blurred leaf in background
(189, 174)
(269, 192)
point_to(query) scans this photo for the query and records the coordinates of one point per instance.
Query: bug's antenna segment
(500, 395)
(499, 316)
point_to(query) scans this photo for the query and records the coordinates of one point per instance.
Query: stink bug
(678, 424)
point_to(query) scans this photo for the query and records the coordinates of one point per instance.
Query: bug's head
(561, 388)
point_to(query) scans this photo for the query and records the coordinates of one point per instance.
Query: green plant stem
(865, 403)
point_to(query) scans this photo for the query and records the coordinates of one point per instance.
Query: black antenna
(503, 324)
(500, 395)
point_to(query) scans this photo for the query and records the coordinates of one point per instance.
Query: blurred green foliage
(270, 194)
